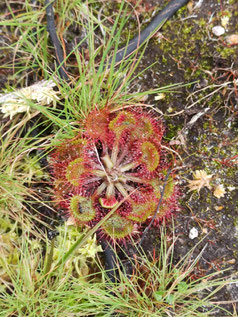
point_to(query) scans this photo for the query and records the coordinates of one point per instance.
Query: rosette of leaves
(117, 157)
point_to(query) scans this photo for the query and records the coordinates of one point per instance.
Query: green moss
(235, 222)
(172, 130)
(164, 60)
(186, 47)
(226, 52)
(205, 125)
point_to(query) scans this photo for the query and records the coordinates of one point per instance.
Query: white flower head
(160, 96)
(225, 21)
(12, 106)
(219, 191)
(200, 179)
(17, 101)
(44, 93)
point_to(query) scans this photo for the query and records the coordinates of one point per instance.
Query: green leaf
(170, 299)
(158, 295)
(182, 286)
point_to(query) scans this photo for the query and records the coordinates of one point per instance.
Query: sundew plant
(118, 156)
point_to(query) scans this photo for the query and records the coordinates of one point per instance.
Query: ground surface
(201, 121)
(186, 50)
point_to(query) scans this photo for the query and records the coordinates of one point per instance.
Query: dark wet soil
(202, 124)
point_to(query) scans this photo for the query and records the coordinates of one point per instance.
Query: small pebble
(218, 30)
(232, 39)
(232, 261)
(193, 233)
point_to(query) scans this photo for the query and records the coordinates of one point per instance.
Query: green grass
(20, 171)
(91, 85)
(157, 287)
(62, 283)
